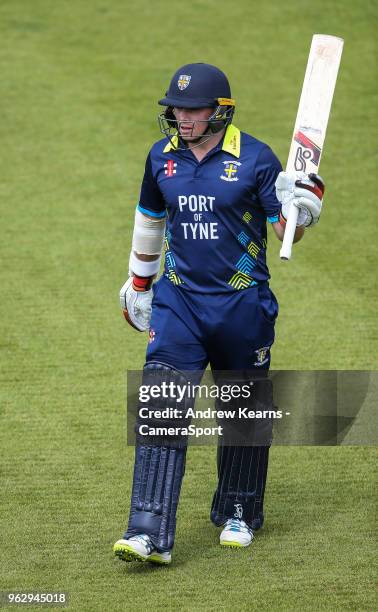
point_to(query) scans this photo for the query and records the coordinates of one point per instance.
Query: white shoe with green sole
(236, 533)
(140, 548)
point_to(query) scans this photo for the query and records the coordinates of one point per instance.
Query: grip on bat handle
(291, 224)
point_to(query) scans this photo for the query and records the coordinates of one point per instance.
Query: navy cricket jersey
(216, 211)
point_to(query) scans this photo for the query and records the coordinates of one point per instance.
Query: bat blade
(312, 117)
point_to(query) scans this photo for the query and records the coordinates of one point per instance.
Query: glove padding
(303, 191)
(136, 305)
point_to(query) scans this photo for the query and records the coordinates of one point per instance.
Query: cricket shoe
(140, 548)
(236, 533)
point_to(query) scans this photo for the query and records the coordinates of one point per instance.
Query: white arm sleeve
(148, 234)
(148, 239)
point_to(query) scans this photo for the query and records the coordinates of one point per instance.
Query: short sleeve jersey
(216, 211)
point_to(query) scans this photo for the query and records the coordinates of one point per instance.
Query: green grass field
(79, 85)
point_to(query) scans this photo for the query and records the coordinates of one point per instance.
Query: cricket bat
(312, 117)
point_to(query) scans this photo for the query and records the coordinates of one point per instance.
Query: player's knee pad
(159, 460)
(242, 473)
(161, 418)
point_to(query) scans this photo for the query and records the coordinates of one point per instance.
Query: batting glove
(303, 191)
(136, 298)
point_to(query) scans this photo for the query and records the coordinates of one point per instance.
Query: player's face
(193, 121)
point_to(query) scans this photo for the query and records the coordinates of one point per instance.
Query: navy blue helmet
(197, 86)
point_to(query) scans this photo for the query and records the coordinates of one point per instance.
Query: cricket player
(208, 192)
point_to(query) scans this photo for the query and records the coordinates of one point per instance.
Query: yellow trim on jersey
(231, 142)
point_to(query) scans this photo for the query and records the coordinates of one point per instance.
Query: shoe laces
(237, 525)
(145, 540)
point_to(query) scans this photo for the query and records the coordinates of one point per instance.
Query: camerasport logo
(170, 167)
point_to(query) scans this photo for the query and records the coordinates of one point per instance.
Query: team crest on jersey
(230, 170)
(183, 81)
(170, 167)
(262, 355)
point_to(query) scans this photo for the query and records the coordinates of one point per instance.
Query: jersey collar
(171, 144)
(231, 142)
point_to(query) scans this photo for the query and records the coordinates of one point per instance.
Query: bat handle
(291, 224)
